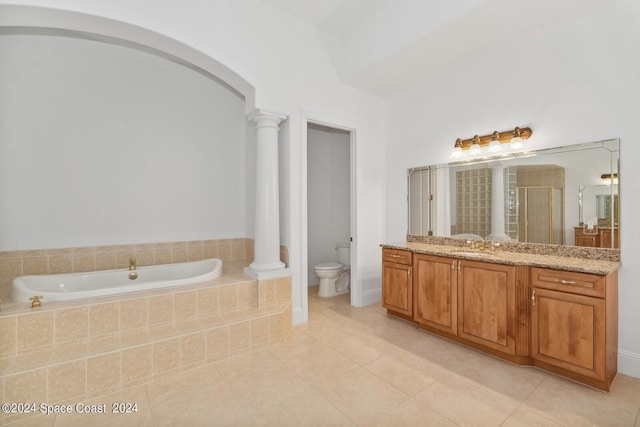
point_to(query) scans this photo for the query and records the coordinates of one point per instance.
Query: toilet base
(327, 288)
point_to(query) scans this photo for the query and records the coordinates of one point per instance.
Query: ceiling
(388, 46)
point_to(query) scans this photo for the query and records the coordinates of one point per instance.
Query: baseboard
(373, 296)
(297, 316)
(629, 363)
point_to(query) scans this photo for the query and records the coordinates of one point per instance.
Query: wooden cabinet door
(435, 292)
(397, 292)
(487, 304)
(605, 238)
(568, 331)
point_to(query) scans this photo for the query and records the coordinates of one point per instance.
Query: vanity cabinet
(486, 295)
(397, 289)
(436, 292)
(574, 324)
(565, 322)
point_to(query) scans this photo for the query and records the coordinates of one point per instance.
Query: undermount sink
(471, 253)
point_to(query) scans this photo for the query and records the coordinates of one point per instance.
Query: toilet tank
(344, 253)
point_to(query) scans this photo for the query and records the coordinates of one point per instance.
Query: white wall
(577, 83)
(102, 144)
(328, 191)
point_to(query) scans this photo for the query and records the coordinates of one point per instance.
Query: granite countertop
(582, 265)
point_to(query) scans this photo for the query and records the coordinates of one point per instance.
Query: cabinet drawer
(397, 256)
(568, 281)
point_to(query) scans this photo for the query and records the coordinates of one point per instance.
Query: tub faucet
(133, 274)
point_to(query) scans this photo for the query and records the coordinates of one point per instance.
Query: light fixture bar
(503, 137)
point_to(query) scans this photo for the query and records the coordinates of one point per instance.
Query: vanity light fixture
(473, 147)
(495, 146)
(457, 150)
(606, 178)
(516, 141)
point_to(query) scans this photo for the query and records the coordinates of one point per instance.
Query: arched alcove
(86, 163)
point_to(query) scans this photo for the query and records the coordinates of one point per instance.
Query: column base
(266, 275)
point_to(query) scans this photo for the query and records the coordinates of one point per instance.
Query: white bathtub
(63, 287)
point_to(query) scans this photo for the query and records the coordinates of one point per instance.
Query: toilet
(334, 276)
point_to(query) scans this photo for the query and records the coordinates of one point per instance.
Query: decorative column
(497, 202)
(266, 259)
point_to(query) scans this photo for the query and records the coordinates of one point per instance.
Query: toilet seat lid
(328, 266)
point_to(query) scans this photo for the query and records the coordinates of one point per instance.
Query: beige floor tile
(199, 398)
(259, 390)
(316, 363)
(525, 416)
(362, 349)
(138, 415)
(362, 396)
(256, 361)
(638, 419)
(309, 409)
(467, 403)
(411, 413)
(575, 404)
(406, 378)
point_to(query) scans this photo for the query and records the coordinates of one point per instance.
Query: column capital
(266, 118)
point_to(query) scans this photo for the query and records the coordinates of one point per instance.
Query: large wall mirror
(564, 196)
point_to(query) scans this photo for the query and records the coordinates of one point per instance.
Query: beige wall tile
(136, 365)
(8, 343)
(103, 373)
(186, 305)
(71, 324)
(283, 289)
(208, 301)
(35, 265)
(162, 254)
(26, 387)
(34, 330)
(160, 309)
(238, 250)
(239, 337)
(179, 252)
(196, 250)
(217, 343)
(166, 356)
(10, 268)
(276, 327)
(224, 250)
(105, 258)
(228, 298)
(83, 259)
(259, 331)
(104, 318)
(60, 263)
(192, 349)
(133, 313)
(248, 294)
(144, 257)
(266, 292)
(210, 249)
(67, 380)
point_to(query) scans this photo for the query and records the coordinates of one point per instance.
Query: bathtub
(64, 287)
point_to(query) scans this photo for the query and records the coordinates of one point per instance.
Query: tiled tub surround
(96, 258)
(65, 352)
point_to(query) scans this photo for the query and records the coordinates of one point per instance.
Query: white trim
(356, 285)
(629, 363)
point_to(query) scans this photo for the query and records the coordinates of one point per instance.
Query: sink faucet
(133, 274)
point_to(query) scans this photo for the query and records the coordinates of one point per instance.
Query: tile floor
(357, 366)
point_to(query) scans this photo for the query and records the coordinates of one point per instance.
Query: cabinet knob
(533, 297)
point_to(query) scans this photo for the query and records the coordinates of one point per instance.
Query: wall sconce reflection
(607, 178)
